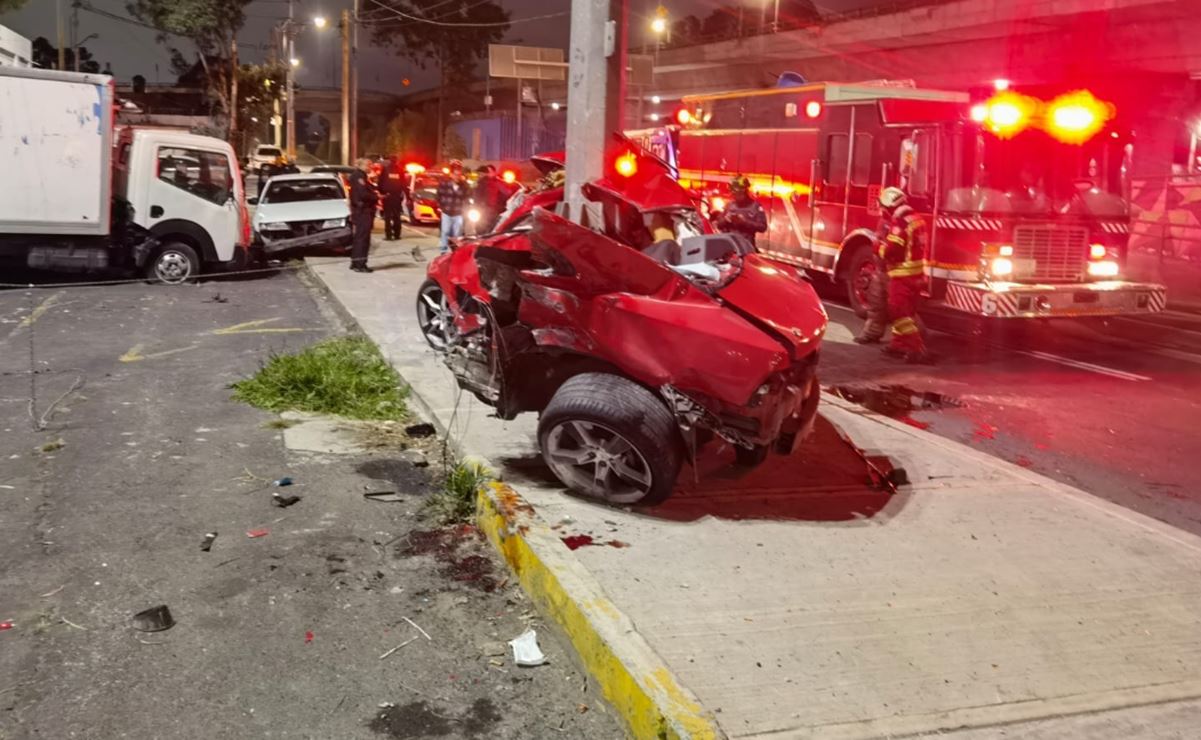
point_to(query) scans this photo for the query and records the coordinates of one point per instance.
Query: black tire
(605, 404)
(174, 263)
(750, 458)
(438, 331)
(859, 271)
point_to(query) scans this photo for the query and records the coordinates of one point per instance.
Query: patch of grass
(456, 501)
(280, 424)
(346, 377)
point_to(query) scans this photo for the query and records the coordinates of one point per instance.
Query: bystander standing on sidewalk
(452, 193)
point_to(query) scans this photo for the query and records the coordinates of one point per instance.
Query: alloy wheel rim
(597, 461)
(434, 316)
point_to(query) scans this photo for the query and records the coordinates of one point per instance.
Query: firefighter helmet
(891, 198)
(740, 184)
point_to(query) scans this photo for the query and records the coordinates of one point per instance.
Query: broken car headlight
(333, 223)
(274, 226)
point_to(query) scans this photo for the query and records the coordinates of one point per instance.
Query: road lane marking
(1081, 365)
(256, 327)
(135, 353)
(38, 310)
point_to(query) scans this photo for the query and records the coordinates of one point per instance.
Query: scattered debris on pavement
(283, 502)
(154, 619)
(281, 482)
(384, 497)
(207, 545)
(252, 534)
(525, 649)
(424, 429)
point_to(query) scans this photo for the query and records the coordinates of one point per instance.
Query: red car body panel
(743, 348)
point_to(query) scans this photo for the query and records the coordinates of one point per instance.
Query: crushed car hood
(313, 210)
(774, 295)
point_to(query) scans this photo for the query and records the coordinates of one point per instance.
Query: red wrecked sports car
(637, 338)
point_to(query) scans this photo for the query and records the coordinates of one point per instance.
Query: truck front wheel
(861, 270)
(172, 264)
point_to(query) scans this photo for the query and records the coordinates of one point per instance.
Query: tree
(410, 134)
(212, 25)
(257, 87)
(45, 55)
(440, 37)
(7, 5)
(686, 31)
(453, 146)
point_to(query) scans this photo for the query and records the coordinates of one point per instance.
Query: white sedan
(302, 212)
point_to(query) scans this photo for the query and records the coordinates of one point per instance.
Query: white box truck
(78, 193)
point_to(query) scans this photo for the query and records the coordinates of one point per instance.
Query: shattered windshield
(1035, 174)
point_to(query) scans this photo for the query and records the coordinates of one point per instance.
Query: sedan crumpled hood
(775, 296)
(313, 210)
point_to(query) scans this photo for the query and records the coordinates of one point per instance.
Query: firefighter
(903, 253)
(744, 215)
(877, 296)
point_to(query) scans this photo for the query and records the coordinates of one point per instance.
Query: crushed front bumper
(327, 239)
(1034, 300)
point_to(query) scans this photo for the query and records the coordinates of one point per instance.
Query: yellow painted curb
(632, 677)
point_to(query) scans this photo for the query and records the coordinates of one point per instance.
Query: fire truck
(1026, 199)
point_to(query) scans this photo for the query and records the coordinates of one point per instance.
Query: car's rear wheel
(434, 315)
(609, 438)
(173, 264)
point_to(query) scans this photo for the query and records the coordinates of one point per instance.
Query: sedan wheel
(593, 458)
(434, 315)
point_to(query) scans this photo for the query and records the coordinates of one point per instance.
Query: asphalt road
(1109, 407)
(102, 514)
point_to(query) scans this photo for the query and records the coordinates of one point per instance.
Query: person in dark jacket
(491, 195)
(744, 215)
(392, 189)
(363, 202)
(452, 194)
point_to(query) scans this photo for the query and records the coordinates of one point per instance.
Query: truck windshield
(300, 191)
(1033, 173)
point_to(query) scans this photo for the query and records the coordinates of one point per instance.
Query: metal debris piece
(207, 545)
(154, 619)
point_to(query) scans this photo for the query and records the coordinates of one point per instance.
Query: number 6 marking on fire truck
(988, 304)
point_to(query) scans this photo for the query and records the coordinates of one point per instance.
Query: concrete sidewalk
(798, 602)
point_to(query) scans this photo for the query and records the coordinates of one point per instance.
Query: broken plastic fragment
(207, 545)
(5, 626)
(525, 649)
(284, 501)
(281, 482)
(256, 533)
(154, 619)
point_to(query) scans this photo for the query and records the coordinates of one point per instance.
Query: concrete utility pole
(290, 54)
(62, 37)
(233, 91)
(595, 91)
(354, 81)
(346, 87)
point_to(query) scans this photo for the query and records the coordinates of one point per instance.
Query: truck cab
(187, 191)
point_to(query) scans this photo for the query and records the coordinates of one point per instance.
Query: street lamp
(289, 28)
(319, 21)
(659, 25)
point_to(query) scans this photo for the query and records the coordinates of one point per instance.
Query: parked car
(263, 154)
(422, 205)
(307, 211)
(635, 342)
(342, 171)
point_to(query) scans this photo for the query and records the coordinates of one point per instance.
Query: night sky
(134, 50)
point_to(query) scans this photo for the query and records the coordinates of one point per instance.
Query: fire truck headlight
(1097, 251)
(1001, 267)
(1105, 268)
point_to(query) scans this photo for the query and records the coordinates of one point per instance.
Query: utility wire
(427, 21)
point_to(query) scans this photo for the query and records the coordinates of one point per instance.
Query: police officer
(363, 202)
(392, 188)
(903, 253)
(744, 215)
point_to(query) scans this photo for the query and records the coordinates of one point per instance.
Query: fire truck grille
(1058, 252)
